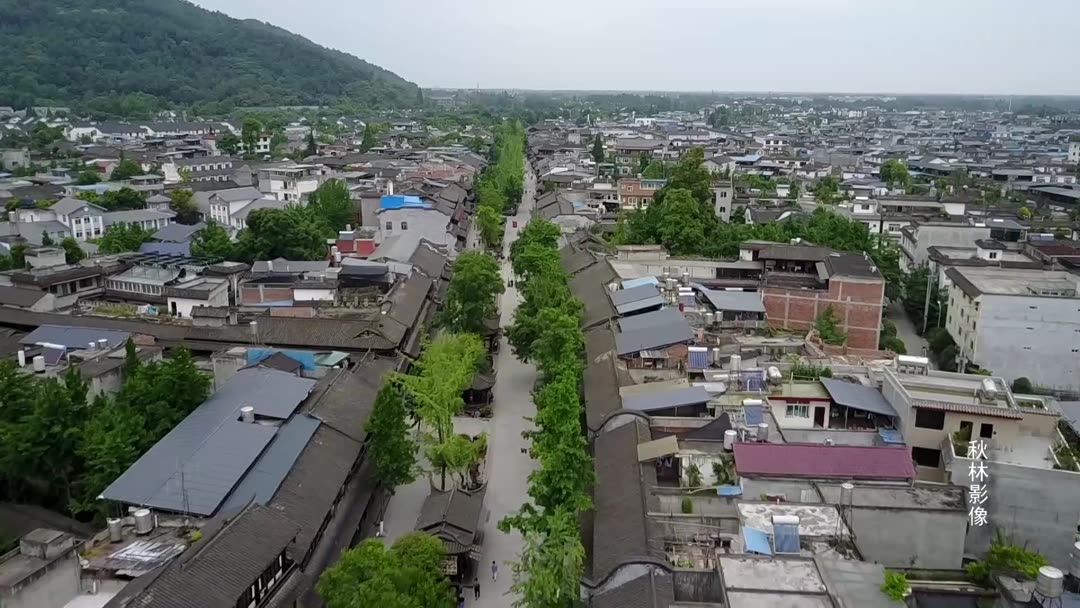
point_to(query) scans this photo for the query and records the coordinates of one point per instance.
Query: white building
(1017, 323)
(1074, 152)
(181, 298)
(290, 183)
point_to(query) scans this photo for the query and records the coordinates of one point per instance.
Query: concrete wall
(791, 489)
(1040, 507)
(428, 224)
(1033, 337)
(56, 586)
(909, 538)
(839, 436)
(706, 505)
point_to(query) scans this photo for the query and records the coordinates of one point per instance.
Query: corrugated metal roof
(639, 282)
(632, 307)
(858, 397)
(634, 294)
(664, 316)
(198, 463)
(657, 448)
(74, 337)
(963, 408)
(630, 342)
(821, 461)
(274, 464)
(735, 301)
(666, 399)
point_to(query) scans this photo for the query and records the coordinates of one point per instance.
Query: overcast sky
(917, 46)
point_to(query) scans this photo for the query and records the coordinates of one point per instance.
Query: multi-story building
(1074, 152)
(918, 237)
(291, 182)
(638, 193)
(1017, 323)
(199, 169)
(723, 199)
(799, 283)
(628, 153)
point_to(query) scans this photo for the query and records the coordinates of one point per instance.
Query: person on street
(494, 571)
(476, 588)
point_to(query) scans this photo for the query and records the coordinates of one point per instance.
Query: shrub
(687, 505)
(895, 585)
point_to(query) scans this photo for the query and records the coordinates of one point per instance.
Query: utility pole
(926, 305)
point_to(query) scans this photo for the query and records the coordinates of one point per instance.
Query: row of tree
(682, 218)
(547, 331)
(60, 447)
(502, 183)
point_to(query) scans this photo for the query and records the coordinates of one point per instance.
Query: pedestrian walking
(494, 571)
(476, 588)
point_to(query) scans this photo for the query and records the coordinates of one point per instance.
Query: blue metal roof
(729, 491)
(756, 541)
(198, 463)
(399, 201)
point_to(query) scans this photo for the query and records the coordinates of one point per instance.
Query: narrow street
(905, 330)
(508, 467)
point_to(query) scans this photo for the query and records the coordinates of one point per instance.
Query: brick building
(799, 282)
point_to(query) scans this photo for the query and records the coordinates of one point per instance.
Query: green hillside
(133, 56)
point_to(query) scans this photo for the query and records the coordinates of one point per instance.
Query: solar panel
(756, 541)
(754, 415)
(53, 356)
(786, 537)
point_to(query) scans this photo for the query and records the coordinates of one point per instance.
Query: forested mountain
(135, 56)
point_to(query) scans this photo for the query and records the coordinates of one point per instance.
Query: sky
(999, 47)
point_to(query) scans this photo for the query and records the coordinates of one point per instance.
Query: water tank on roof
(710, 319)
(736, 362)
(774, 374)
(39, 364)
(1050, 582)
(847, 493)
(989, 388)
(763, 432)
(757, 402)
(144, 522)
(116, 528)
(729, 439)
(686, 278)
(247, 413)
(1074, 561)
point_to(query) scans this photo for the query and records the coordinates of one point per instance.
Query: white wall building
(290, 183)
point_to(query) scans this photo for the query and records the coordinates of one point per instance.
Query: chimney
(22, 358)
(389, 187)
(91, 345)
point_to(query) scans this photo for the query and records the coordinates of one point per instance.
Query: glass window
(798, 411)
(404, 225)
(389, 225)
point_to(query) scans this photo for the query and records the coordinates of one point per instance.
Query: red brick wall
(857, 304)
(251, 294)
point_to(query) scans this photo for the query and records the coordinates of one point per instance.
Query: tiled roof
(963, 408)
(816, 460)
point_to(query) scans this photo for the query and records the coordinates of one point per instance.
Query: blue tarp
(756, 541)
(728, 491)
(303, 357)
(632, 283)
(890, 436)
(397, 201)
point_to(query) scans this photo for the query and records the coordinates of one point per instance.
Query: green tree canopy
(127, 169)
(124, 237)
(472, 298)
(408, 575)
(293, 233)
(212, 242)
(73, 253)
(598, 149)
(88, 177)
(392, 450)
(331, 203)
(894, 172)
(187, 212)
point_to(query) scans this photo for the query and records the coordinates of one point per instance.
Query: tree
(491, 225)
(915, 302)
(598, 149)
(312, 148)
(408, 575)
(657, 169)
(434, 389)
(119, 200)
(250, 132)
(212, 242)
(1024, 213)
(827, 190)
(538, 231)
(392, 450)
(124, 237)
(229, 144)
(293, 233)
(46, 240)
(17, 254)
(682, 229)
(88, 177)
(552, 563)
(471, 299)
(331, 203)
(371, 135)
(643, 163)
(73, 253)
(690, 174)
(1023, 386)
(165, 391)
(828, 327)
(126, 169)
(895, 172)
(560, 345)
(187, 212)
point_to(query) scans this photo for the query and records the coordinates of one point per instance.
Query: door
(819, 417)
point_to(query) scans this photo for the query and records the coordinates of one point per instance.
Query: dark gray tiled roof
(74, 337)
(661, 400)
(216, 571)
(664, 316)
(857, 396)
(21, 297)
(653, 336)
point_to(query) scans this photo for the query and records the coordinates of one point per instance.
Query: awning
(858, 397)
(657, 448)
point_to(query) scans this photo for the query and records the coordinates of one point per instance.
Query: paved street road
(507, 467)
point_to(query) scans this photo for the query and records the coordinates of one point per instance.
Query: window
(993, 255)
(986, 430)
(929, 419)
(925, 457)
(389, 225)
(894, 227)
(404, 225)
(798, 411)
(722, 209)
(723, 195)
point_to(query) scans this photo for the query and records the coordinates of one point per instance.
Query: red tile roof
(816, 460)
